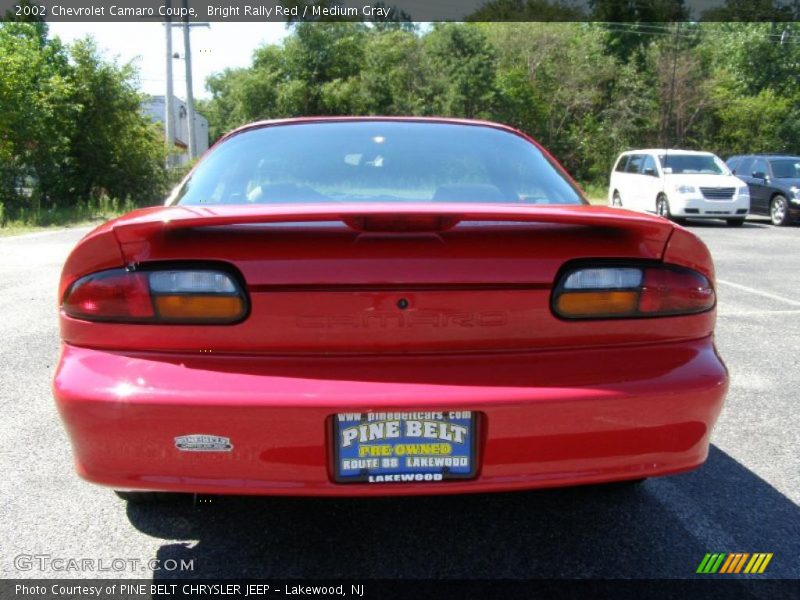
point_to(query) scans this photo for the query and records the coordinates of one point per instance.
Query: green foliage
(71, 130)
(586, 91)
(461, 68)
(116, 151)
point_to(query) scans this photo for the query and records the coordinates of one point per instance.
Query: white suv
(677, 184)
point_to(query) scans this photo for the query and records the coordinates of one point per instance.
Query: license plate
(404, 447)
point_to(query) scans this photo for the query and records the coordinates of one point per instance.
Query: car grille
(717, 193)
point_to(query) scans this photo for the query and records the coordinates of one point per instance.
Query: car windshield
(707, 164)
(376, 161)
(786, 168)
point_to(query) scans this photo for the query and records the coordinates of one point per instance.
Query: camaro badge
(199, 442)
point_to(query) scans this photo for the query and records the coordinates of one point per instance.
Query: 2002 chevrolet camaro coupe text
(373, 306)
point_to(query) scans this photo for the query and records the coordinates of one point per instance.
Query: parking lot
(745, 499)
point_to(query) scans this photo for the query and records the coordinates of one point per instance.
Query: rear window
(376, 161)
(693, 164)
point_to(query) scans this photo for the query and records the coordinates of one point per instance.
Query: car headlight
(796, 193)
(685, 189)
(744, 191)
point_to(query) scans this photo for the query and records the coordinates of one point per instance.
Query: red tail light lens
(675, 292)
(109, 296)
(604, 292)
(158, 296)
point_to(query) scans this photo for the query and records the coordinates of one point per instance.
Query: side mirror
(651, 172)
(760, 175)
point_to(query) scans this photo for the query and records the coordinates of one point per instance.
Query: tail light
(157, 296)
(630, 291)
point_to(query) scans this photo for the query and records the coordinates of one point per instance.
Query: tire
(779, 210)
(145, 497)
(616, 199)
(735, 222)
(662, 210)
(662, 207)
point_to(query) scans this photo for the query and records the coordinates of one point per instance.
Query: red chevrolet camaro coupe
(375, 306)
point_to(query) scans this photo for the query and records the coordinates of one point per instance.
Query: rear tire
(616, 199)
(662, 207)
(735, 222)
(779, 211)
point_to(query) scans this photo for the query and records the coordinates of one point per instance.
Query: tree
(71, 127)
(460, 65)
(36, 123)
(681, 84)
(115, 149)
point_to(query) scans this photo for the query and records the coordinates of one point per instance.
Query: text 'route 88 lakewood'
(166, 590)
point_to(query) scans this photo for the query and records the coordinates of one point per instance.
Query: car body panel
(369, 307)
(475, 286)
(546, 418)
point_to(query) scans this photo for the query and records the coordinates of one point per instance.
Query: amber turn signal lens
(596, 304)
(193, 308)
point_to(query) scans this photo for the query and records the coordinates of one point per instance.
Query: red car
(377, 306)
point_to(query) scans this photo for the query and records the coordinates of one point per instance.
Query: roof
(667, 151)
(786, 156)
(368, 119)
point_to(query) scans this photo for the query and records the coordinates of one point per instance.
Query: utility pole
(169, 120)
(169, 102)
(187, 49)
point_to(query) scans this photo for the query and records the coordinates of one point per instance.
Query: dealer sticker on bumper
(386, 447)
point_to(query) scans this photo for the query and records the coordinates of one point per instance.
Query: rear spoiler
(140, 226)
(129, 238)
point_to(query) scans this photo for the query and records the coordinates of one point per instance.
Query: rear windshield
(786, 168)
(693, 163)
(378, 161)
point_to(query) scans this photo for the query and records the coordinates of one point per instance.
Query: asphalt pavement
(744, 499)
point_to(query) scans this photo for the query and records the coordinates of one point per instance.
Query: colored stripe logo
(734, 562)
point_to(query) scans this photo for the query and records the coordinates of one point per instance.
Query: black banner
(399, 10)
(708, 588)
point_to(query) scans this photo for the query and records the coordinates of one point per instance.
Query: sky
(213, 49)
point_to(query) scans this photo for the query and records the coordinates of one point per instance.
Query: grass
(597, 194)
(91, 212)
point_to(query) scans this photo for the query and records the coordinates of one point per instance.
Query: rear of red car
(373, 306)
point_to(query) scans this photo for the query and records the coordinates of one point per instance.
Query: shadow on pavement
(660, 529)
(713, 224)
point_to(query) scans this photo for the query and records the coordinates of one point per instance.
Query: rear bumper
(546, 418)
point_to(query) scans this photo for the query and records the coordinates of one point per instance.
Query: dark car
(774, 183)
